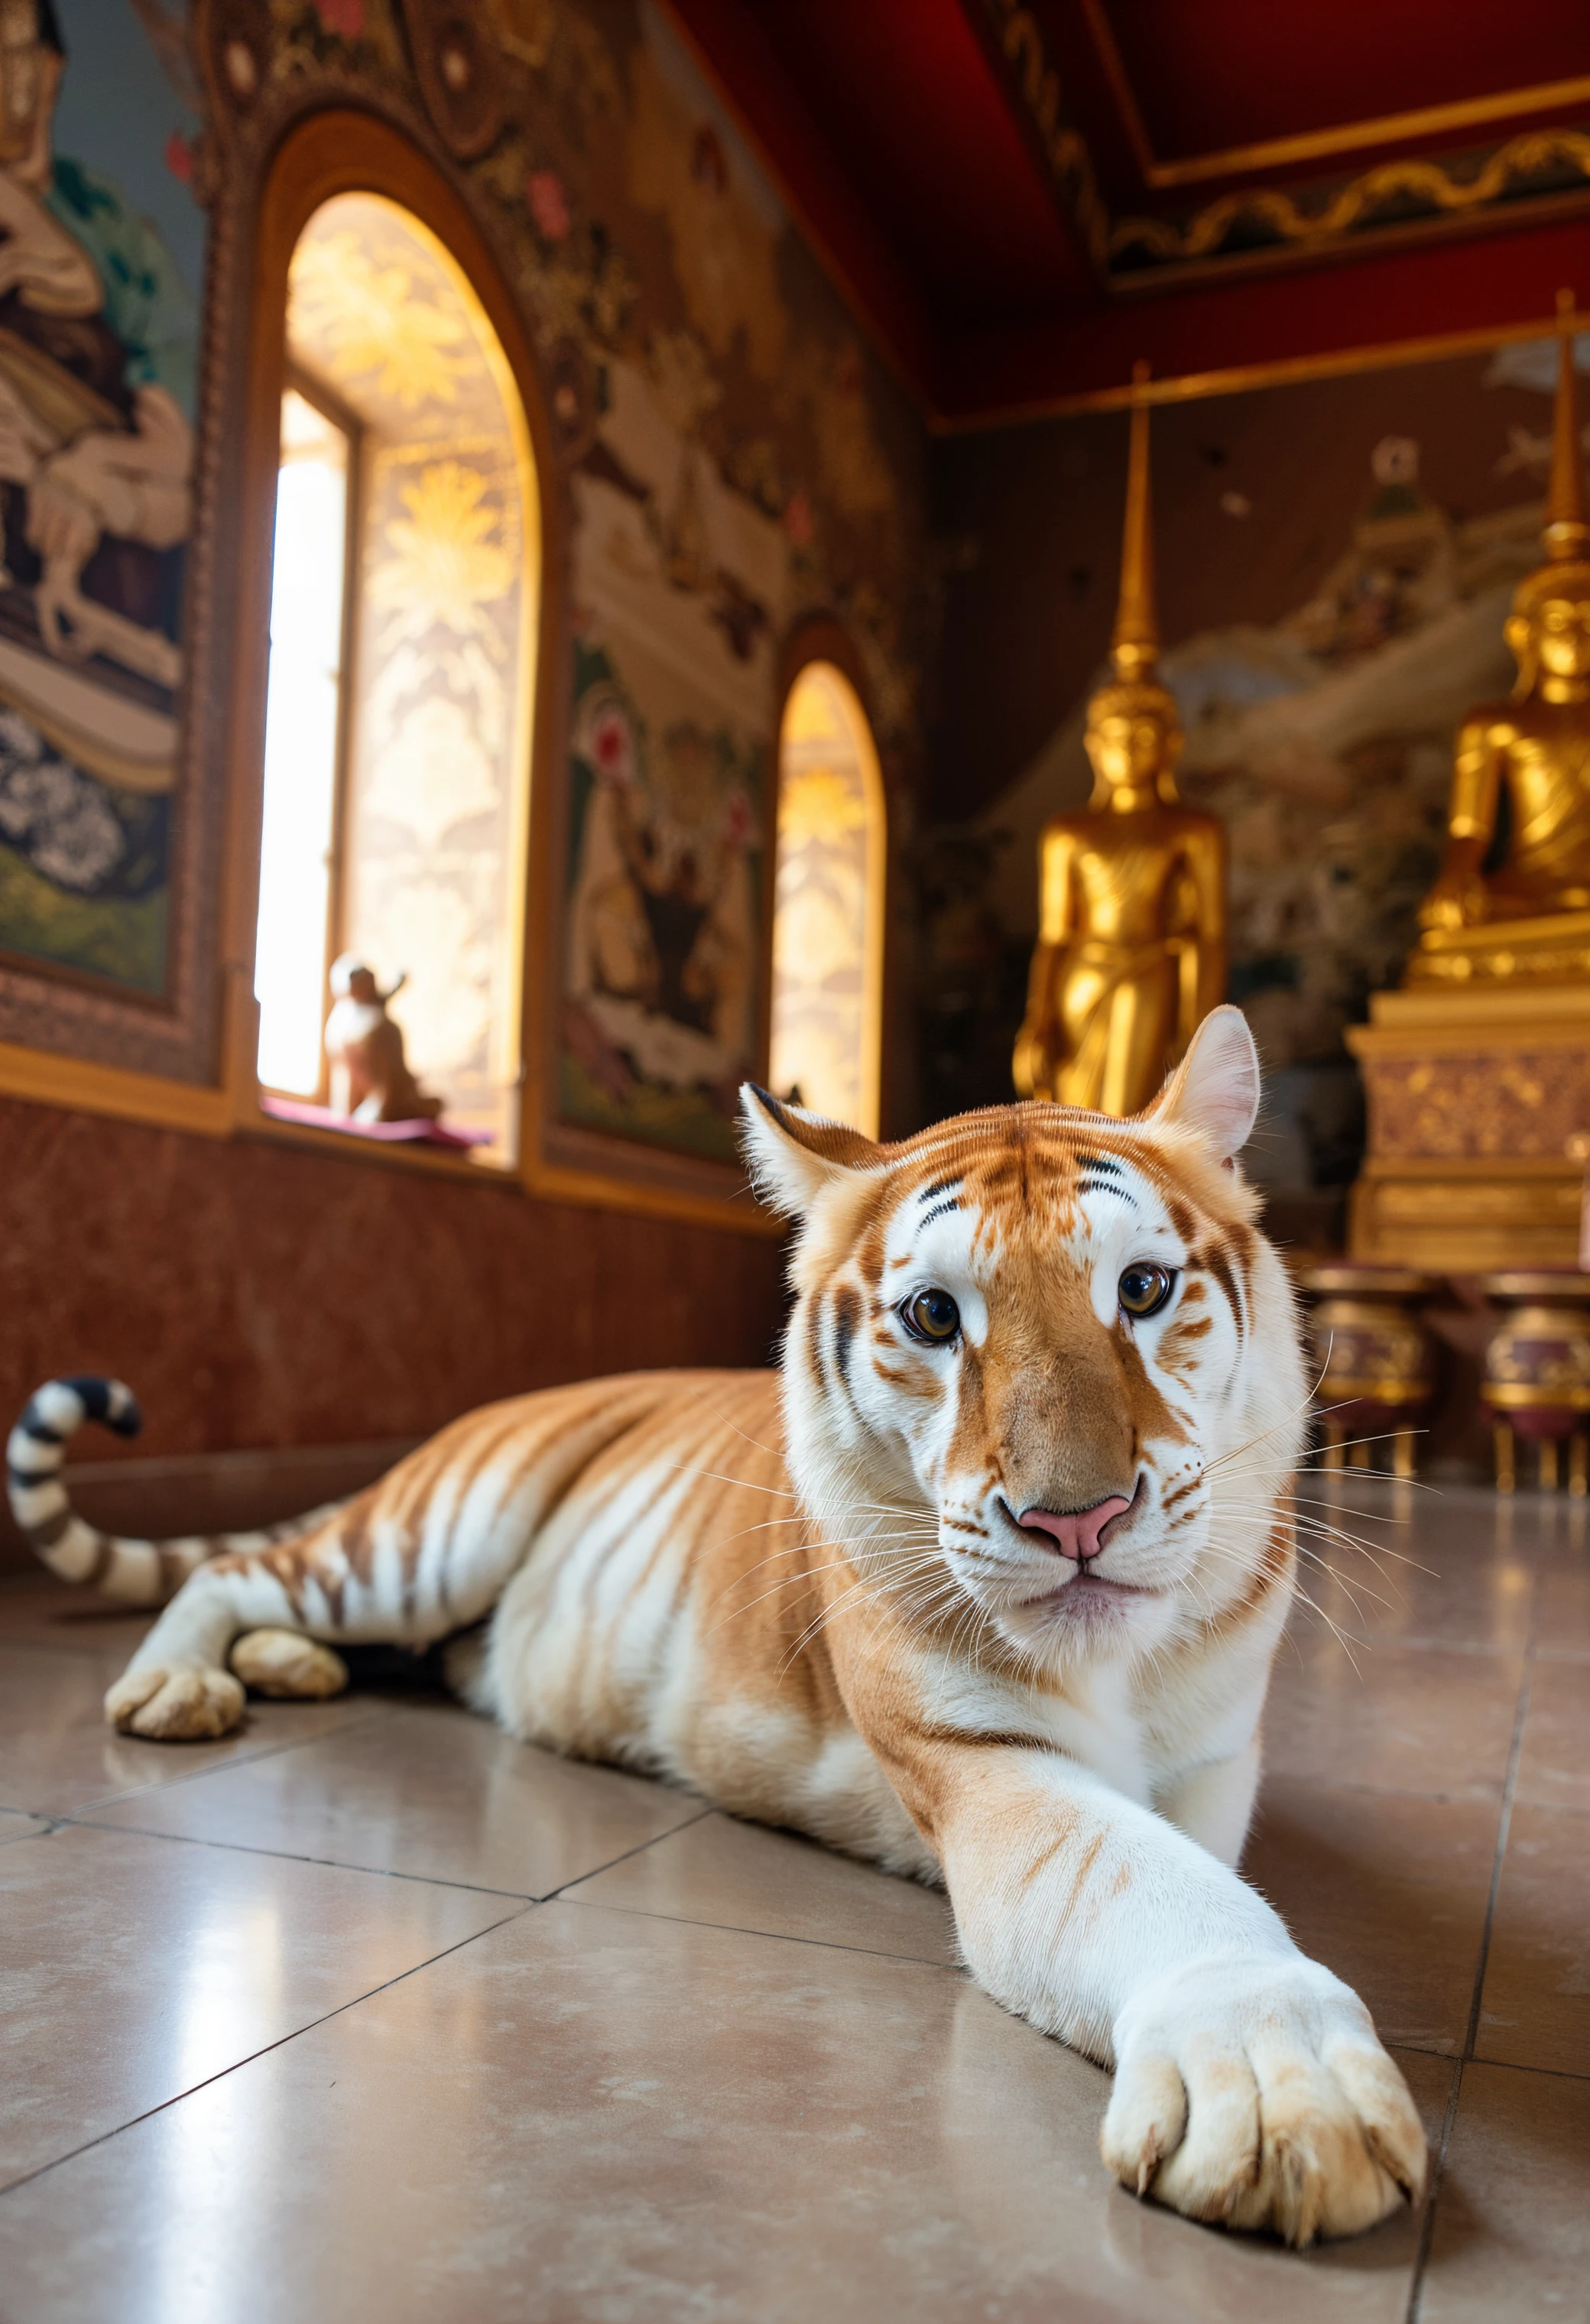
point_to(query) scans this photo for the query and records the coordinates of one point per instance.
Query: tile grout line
(729, 1928)
(218, 1767)
(1471, 2035)
(1508, 2066)
(564, 1894)
(288, 1855)
(771, 1936)
(554, 1895)
(340, 1863)
(41, 1830)
(1509, 1790)
(527, 1904)
(1426, 2225)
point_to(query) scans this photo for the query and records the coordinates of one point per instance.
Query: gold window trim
(874, 900)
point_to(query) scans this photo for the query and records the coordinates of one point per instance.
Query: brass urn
(1537, 1380)
(1374, 1359)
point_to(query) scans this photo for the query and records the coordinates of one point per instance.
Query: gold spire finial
(1566, 535)
(1136, 643)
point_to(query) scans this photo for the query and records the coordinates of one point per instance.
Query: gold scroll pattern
(1434, 187)
(1393, 193)
(1064, 146)
(1522, 1105)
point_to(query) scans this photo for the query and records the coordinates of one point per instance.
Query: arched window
(828, 908)
(403, 609)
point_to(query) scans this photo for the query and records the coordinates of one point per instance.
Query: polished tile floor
(370, 2013)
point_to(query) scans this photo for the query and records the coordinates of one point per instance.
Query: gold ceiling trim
(1438, 189)
(1314, 145)
(1429, 183)
(1064, 147)
(1282, 371)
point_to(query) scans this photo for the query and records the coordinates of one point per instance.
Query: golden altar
(1477, 1071)
(1473, 1095)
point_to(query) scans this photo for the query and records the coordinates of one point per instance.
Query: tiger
(982, 1584)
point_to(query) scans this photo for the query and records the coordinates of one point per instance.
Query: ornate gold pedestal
(1545, 953)
(1473, 1090)
(1537, 1379)
(1374, 1361)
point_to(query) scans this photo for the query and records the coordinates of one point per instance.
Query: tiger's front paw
(175, 1702)
(1256, 2093)
(286, 1664)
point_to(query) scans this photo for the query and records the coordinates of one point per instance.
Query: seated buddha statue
(1518, 828)
(1131, 951)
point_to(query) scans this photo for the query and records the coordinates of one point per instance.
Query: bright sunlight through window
(402, 652)
(828, 903)
(303, 706)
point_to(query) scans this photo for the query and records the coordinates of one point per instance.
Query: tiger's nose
(1076, 1532)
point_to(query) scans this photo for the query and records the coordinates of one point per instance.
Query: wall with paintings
(743, 466)
(100, 325)
(1335, 561)
(724, 460)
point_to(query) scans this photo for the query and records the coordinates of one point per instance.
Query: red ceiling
(898, 131)
(905, 95)
(1211, 74)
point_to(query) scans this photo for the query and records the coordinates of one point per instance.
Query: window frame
(325, 400)
(823, 639)
(331, 153)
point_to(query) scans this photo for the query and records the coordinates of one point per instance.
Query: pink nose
(1076, 1532)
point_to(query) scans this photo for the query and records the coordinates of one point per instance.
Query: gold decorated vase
(1375, 1362)
(1537, 1376)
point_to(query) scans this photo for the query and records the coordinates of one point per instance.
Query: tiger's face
(1043, 1376)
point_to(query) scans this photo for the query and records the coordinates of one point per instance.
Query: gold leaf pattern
(373, 325)
(1431, 185)
(444, 563)
(825, 999)
(819, 803)
(1510, 1104)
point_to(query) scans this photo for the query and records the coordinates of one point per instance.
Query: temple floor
(369, 2011)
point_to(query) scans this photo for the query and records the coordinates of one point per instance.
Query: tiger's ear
(1214, 1090)
(791, 1154)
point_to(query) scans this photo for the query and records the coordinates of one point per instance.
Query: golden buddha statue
(1532, 754)
(1477, 1071)
(1131, 951)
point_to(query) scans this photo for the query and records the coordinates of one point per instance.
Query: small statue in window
(370, 1076)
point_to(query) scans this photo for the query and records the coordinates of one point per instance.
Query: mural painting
(737, 462)
(98, 327)
(659, 1024)
(695, 550)
(1323, 739)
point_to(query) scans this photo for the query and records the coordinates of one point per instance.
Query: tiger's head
(1042, 1369)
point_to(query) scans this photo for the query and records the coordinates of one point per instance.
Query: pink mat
(386, 1133)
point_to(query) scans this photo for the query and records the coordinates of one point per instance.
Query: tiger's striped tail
(138, 1572)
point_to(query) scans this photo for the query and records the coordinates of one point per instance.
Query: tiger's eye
(1144, 1289)
(931, 1315)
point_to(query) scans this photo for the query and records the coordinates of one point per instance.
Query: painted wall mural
(658, 1025)
(734, 468)
(1322, 729)
(736, 460)
(99, 339)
